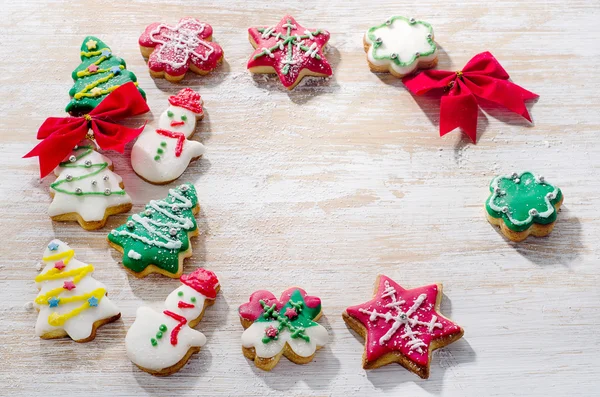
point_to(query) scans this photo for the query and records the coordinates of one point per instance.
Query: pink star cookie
(173, 50)
(290, 50)
(402, 326)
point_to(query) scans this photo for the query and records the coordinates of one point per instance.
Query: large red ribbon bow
(61, 134)
(482, 77)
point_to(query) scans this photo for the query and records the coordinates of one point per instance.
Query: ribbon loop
(61, 134)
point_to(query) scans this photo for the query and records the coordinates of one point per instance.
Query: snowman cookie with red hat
(161, 155)
(162, 342)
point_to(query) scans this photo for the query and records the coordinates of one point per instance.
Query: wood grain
(325, 187)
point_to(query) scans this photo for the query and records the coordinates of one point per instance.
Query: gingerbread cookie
(161, 343)
(99, 74)
(402, 326)
(285, 327)
(161, 155)
(157, 240)
(70, 302)
(86, 190)
(522, 205)
(173, 50)
(290, 50)
(400, 46)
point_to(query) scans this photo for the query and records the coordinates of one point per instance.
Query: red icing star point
(69, 285)
(290, 50)
(405, 323)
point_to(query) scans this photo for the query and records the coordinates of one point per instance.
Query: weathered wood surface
(325, 187)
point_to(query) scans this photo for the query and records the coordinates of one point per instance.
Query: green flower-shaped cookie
(523, 204)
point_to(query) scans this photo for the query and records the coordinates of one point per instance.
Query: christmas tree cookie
(402, 326)
(285, 327)
(400, 46)
(70, 302)
(157, 240)
(161, 155)
(290, 50)
(99, 74)
(173, 50)
(86, 190)
(161, 343)
(522, 205)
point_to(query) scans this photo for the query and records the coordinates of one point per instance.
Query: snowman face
(185, 301)
(178, 119)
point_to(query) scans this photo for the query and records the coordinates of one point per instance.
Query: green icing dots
(184, 117)
(522, 200)
(160, 151)
(154, 342)
(169, 113)
(193, 299)
(163, 144)
(159, 335)
(180, 293)
(163, 327)
(156, 158)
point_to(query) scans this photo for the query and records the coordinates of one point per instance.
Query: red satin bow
(61, 134)
(482, 77)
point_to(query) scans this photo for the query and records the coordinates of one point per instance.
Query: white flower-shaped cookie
(400, 45)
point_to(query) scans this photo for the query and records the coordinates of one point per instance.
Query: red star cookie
(173, 50)
(290, 50)
(402, 326)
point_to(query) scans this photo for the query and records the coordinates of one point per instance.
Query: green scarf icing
(82, 100)
(522, 200)
(297, 325)
(147, 237)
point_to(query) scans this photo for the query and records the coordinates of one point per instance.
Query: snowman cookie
(285, 327)
(173, 50)
(161, 155)
(400, 46)
(523, 204)
(162, 342)
(86, 189)
(70, 302)
(157, 240)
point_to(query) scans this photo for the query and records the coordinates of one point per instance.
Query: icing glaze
(401, 43)
(274, 326)
(522, 200)
(160, 339)
(70, 299)
(162, 154)
(176, 48)
(290, 50)
(403, 321)
(86, 185)
(99, 73)
(159, 233)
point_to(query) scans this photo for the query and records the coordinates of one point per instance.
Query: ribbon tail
(111, 136)
(459, 111)
(502, 92)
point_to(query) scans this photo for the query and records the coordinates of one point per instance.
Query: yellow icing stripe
(55, 274)
(105, 91)
(93, 53)
(83, 73)
(57, 320)
(67, 256)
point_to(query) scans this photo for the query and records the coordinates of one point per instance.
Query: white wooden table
(325, 187)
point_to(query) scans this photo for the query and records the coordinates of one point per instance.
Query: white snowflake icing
(401, 318)
(182, 41)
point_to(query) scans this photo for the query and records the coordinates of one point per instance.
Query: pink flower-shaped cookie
(173, 50)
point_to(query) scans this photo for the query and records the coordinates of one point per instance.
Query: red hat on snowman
(202, 280)
(187, 99)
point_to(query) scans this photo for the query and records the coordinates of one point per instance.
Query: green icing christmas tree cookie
(522, 205)
(157, 240)
(99, 74)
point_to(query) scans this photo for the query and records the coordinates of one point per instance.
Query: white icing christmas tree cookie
(86, 190)
(161, 155)
(400, 46)
(70, 302)
(161, 343)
